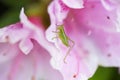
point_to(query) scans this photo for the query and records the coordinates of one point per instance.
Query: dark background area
(9, 11)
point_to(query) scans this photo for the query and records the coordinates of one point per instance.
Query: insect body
(64, 39)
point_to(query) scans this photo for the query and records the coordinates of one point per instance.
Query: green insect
(64, 39)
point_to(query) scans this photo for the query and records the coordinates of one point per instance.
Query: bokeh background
(10, 9)
(9, 14)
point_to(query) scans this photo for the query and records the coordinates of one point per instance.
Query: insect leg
(73, 43)
(54, 38)
(56, 35)
(68, 52)
(55, 31)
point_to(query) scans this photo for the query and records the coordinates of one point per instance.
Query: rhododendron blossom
(95, 32)
(24, 52)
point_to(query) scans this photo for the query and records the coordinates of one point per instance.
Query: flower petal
(59, 10)
(26, 46)
(84, 60)
(77, 4)
(110, 4)
(103, 31)
(108, 43)
(8, 34)
(7, 52)
(34, 66)
(90, 30)
(18, 65)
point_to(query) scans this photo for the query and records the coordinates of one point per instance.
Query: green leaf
(103, 73)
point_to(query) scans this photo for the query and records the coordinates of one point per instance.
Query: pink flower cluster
(29, 52)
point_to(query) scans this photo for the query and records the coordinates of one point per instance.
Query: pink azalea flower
(95, 31)
(24, 52)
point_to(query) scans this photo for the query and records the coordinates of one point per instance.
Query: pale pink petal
(24, 46)
(58, 11)
(7, 52)
(37, 33)
(101, 19)
(103, 28)
(95, 31)
(7, 34)
(26, 23)
(4, 70)
(110, 4)
(34, 66)
(107, 4)
(25, 52)
(82, 61)
(9, 40)
(74, 3)
(108, 43)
